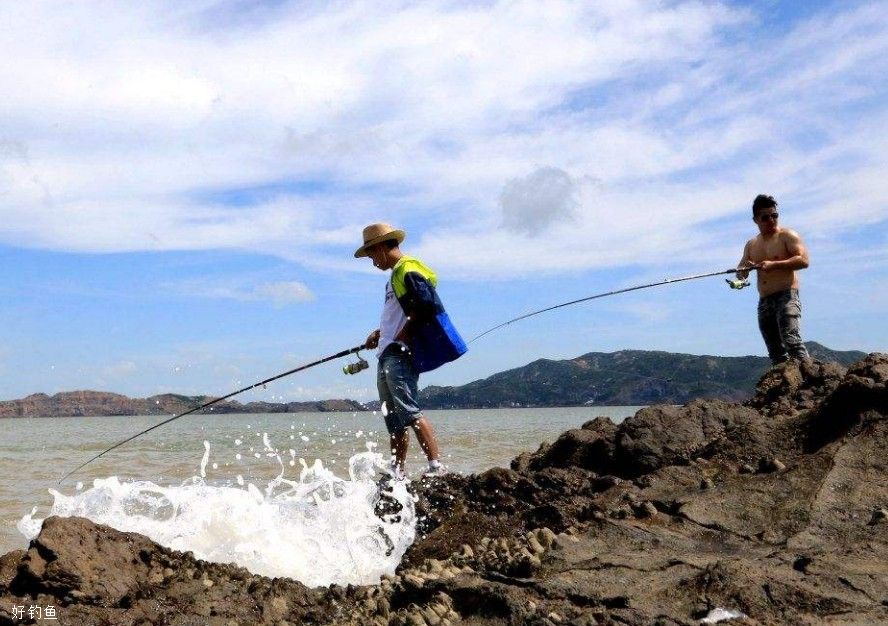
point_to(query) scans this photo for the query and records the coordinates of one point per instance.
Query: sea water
(282, 495)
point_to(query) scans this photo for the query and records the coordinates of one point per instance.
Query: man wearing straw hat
(415, 335)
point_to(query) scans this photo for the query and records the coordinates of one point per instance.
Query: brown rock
(665, 435)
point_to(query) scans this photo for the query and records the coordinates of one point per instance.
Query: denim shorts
(397, 382)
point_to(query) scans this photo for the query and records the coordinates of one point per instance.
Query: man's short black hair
(762, 202)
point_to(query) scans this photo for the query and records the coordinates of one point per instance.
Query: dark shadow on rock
(863, 389)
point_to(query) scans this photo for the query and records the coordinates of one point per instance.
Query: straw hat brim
(397, 235)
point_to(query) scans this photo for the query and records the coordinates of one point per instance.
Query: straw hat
(377, 233)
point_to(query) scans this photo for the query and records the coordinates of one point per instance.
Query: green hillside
(627, 377)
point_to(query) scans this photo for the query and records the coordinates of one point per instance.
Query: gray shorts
(397, 382)
(779, 317)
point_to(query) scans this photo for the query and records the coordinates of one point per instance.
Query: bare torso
(775, 247)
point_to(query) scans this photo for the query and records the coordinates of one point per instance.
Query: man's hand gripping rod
(740, 283)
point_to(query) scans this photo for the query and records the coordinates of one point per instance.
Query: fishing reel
(354, 368)
(737, 283)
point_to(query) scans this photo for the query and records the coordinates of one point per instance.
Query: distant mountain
(78, 403)
(628, 377)
(822, 353)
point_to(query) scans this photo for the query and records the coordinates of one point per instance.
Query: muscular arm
(798, 259)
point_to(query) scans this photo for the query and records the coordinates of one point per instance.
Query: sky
(183, 185)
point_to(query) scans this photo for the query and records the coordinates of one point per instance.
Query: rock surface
(775, 509)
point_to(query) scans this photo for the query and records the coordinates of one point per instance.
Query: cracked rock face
(775, 509)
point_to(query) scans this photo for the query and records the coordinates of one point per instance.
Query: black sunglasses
(769, 216)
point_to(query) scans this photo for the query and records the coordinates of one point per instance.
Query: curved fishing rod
(668, 281)
(338, 355)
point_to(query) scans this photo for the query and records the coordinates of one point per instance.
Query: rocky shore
(774, 511)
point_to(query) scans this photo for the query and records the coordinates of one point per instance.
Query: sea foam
(318, 529)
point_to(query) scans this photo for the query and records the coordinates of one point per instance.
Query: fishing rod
(349, 369)
(734, 284)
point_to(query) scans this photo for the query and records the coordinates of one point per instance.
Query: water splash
(205, 459)
(318, 529)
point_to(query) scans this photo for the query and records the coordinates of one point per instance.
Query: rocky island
(87, 403)
(770, 511)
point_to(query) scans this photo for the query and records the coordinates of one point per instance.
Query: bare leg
(426, 436)
(399, 443)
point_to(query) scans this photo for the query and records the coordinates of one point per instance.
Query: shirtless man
(776, 253)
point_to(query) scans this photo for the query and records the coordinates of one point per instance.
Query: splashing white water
(205, 459)
(319, 529)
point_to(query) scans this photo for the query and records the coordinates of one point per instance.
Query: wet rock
(77, 557)
(96, 574)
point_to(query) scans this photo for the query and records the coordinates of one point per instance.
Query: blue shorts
(397, 382)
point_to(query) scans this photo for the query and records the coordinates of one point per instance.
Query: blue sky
(182, 187)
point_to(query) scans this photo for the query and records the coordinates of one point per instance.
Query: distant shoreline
(106, 404)
(363, 410)
(623, 378)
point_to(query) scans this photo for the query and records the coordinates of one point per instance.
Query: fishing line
(338, 355)
(668, 281)
(734, 284)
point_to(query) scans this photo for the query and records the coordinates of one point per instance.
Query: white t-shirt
(393, 319)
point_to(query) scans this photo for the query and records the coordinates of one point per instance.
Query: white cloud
(120, 370)
(277, 292)
(119, 125)
(284, 292)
